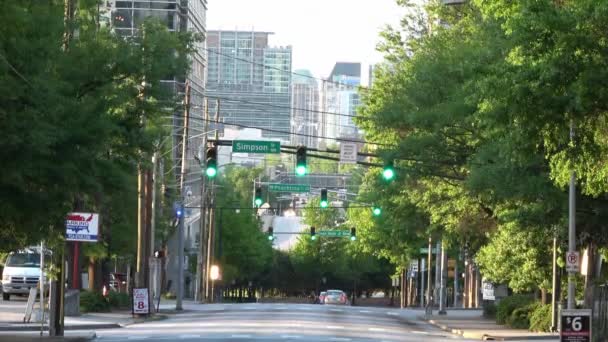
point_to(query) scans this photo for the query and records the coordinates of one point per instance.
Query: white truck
(21, 272)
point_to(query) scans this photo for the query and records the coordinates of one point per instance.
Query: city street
(282, 322)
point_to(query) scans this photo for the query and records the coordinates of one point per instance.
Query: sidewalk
(89, 321)
(471, 324)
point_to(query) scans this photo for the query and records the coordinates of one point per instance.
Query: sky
(321, 32)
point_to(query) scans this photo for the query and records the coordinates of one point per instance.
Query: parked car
(118, 282)
(21, 272)
(336, 297)
(322, 297)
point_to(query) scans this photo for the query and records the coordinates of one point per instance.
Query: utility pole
(437, 273)
(555, 287)
(456, 276)
(202, 257)
(572, 229)
(428, 276)
(180, 230)
(211, 235)
(444, 279)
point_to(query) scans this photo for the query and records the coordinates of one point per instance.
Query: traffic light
(353, 234)
(376, 211)
(324, 203)
(301, 167)
(258, 197)
(270, 233)
(388, 172)
(211, 164)
(313, 233)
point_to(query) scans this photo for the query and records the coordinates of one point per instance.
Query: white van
(21, 272)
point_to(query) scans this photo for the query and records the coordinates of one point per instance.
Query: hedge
(508, 304)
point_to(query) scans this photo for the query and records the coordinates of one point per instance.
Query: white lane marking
(184, 337)
(392, 313)
(305, 308)
(340, 339)
(291, 336)
(364, 311)
(137, 337)
(249, 308)
(419, 332)
(335, 327)
(336, 310)
(377, 329)
(240, 336)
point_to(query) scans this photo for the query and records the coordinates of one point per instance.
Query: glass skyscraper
(251, 80)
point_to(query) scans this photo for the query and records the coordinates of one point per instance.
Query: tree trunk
(543, 296)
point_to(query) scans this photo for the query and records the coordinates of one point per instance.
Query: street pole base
(442, 312)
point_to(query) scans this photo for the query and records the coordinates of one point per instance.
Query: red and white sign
(141, 301)
(573, 262)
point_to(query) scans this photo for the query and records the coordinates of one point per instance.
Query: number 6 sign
(141, 301)
(575, 326)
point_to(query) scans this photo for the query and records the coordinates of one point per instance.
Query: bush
(91, 301)
(489, 310)
(508, 304)
(540, 318)
(119, 300)
(169, 295)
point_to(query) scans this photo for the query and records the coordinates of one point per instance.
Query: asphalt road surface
(282, 322)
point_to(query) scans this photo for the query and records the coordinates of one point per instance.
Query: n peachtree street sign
(253, 146)
(277, 187)
(334, 233)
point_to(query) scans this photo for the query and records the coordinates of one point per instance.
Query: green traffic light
(376, 211)
(353, 238)
(270, 237)
(211, 172)
(258, 202)
(314, 237)
(324, 204)
(388, 173)
(300, 170)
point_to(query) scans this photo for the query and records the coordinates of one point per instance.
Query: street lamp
(214, 275)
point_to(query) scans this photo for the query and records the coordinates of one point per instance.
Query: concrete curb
(29, 338)
(482, 336)
(92, 326)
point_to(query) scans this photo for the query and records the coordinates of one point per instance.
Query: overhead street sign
(255, 146)
(278, 187)
(333, 233)
(348, 153)
(426, 250)
(572, 262)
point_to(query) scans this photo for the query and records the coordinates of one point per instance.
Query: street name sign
(348, 153)
(277, 187)
(333, 233)
(256, 146)
(426, 250)
(81, 227)
(572, 262)
(575, 326)
(141, 301)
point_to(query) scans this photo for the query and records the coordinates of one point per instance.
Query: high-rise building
(305, 109)
(252, 81)
(125, 18)
(340, 101)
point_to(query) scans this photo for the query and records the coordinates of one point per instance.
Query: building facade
(251, 80)
(125, 18)
(340, 99)
(305, 109)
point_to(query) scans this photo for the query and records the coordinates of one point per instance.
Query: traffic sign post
(277, 187)
(333, 233)
(575, 326)
(573, 262)
(255, 146)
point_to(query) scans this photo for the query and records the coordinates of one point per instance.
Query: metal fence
(600, 314)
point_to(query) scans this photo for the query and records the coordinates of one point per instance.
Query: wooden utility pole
(180, 230)
(202, 236)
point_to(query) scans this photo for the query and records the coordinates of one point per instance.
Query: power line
(285, 71)
(16, 71)
(278, 106)
(291, 133)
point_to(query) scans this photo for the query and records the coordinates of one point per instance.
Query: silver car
(336, 297)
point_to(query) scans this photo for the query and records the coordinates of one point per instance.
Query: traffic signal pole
(572, 229)
(202, 250)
